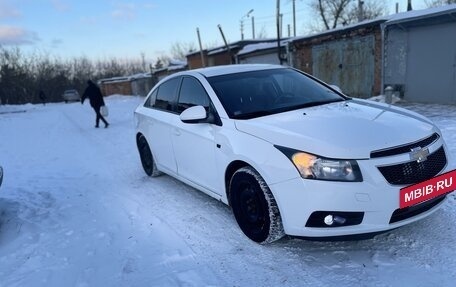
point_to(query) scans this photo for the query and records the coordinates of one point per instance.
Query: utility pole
(242, 29)
(203, 62)
(281, 25)
(242, 22)
(360, 10)
(279, 33)
(294, 19)
(226, 43)
(409, 5)
(253, 27)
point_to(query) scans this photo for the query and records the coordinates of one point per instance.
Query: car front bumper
(377, 200)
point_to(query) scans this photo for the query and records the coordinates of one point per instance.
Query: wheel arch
(138, 135)
(229, 172)
(264, 205)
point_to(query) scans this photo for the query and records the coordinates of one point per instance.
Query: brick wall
(219, 59)
(194, 60)
(112, 88)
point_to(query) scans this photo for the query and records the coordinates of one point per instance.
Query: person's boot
(106, 125)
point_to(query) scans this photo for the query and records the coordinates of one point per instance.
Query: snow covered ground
(76, 209)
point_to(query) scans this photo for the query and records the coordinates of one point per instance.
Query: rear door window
(166, 95)
(150, 102)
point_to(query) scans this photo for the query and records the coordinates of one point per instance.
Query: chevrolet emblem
(419, 154)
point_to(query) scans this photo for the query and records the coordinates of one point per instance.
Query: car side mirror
(193, 115)
(336, 87)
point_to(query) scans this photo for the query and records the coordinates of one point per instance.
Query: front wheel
(254, 206)
(147, 160)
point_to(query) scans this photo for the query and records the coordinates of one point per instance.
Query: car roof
(237, 68)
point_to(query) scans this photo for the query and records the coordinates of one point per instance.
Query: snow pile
(259, 47)
(382, 99)
(76, 209)
(423, 13)
(10, 109)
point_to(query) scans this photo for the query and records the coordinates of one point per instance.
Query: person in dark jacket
(96, 101)
(42, 97)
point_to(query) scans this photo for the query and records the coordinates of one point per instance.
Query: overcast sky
(125, 29)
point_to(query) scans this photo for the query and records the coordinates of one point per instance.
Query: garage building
(420, 55)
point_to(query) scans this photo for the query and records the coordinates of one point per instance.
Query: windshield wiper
(262, 113)
(254, 114)
(316, 103)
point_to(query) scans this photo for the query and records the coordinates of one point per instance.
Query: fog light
(334, 219)
(331, 219)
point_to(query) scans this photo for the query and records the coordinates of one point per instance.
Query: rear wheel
(147, 159)
(254, 206)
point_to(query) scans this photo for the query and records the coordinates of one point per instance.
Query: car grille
(404, 213)
(413, 171)
(405, 148)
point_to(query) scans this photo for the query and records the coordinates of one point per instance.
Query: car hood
(345, 130)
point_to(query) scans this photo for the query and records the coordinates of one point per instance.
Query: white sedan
(71, 95)
(289, 153)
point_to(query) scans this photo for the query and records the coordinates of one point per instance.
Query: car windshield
(254, 94)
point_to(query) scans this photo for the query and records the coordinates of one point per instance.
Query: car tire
(147, 159)
(254, 206)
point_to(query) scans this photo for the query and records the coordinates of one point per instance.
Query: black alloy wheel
(147, 160)
(254, 207)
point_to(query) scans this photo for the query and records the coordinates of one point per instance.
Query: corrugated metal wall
(142, 86)
(348, 64)
(431, 64)
(269, 58)
(422, 60)
(395, 57)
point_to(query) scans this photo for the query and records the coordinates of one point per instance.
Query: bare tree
(143, 61)
(262, 34)
(334, 13)
(436, 3)
(15, 77)
(212, 44)
(162, 61)
(371, 10)
(158, 64)
(180, 49)
(330, 11)
(22, 76)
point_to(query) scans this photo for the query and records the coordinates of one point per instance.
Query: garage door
(348, 64)
(270, 58)
(431, 64)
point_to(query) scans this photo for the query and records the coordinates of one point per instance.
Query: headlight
(315, 167)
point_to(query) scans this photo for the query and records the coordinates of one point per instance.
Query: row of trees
(435, 3)
(335, 13)
(22, 75)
